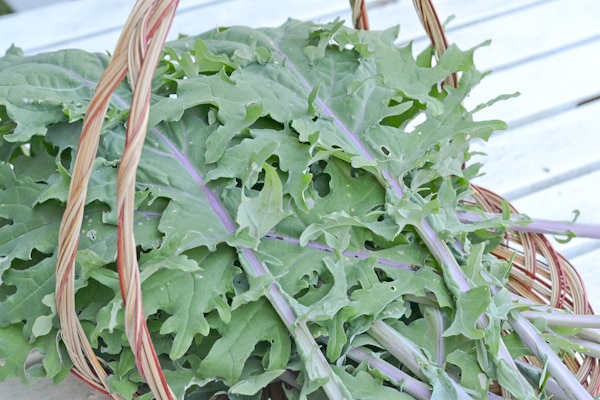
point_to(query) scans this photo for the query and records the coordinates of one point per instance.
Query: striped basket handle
(136, 55)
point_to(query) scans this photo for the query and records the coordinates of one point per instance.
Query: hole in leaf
(65, 160)
(359, 173)
(267, 122)
(320, 179)
(263, 347)
(36, 258)
(6, 291)
(385, 151)
(379, 207)
(321, 184)
(416, 121)
(370, 245)
(259, 184)
(240, 285)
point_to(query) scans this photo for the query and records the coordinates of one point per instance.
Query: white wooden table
(547, 164)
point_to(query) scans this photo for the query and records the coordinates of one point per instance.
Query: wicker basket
(539, 274)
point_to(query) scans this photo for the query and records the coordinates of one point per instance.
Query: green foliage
(277, 161)
(4, 8)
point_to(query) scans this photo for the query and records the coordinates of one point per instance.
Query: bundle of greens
(300, 216)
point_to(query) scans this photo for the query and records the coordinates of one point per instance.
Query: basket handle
(137, 53)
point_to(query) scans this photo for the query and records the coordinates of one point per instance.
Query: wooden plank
(98, 22)
(61, 25)
(194, 20)
(387, 13)
(531, 32)
(45, 389)
(548, 85)
(535, 156)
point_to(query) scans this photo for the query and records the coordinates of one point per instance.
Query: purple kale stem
(405, 351)
(587, 337)
(567, 381)
(360, 255)
(408, 353)
(537, 225)
(213, 200)
(283, 307)
(551, 387)
(591, 348)
(326, 109)
(439, 321)
(333, 386)
(566, 320)
(589, 334)
(307, 347)
(446, 260)
(416, 388)
(410, 385)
